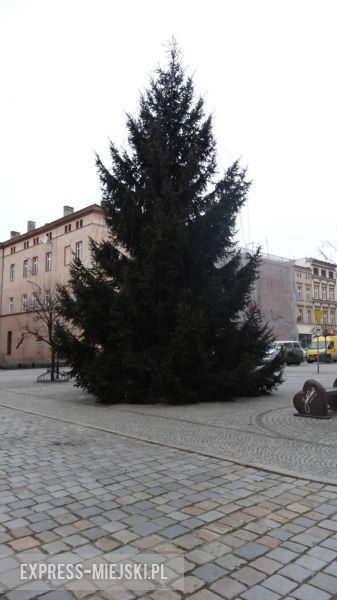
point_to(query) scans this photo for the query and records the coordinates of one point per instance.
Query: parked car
(294, 354)
(290, 344)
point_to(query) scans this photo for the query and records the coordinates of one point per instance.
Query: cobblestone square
(72, 488)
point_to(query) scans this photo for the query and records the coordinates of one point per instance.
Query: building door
(9, 342)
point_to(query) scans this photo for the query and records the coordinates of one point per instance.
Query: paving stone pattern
(262, 432)
(244, 533)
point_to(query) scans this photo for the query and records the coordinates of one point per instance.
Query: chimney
(31, 225)
(67, 210)
(14, 234)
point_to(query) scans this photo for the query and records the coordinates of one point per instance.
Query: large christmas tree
(165, 311)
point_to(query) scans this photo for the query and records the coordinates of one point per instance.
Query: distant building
(275, 293)
(287, 291)
(315, 290)
(40, 259)
(290, 291)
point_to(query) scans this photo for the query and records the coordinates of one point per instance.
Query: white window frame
(25, 269)
(35, 265)
(11, 305)
(34, 300)
(47, 298)
(48, 261)
(79, 250)
(24, 303)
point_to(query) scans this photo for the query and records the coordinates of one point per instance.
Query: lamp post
(318, 319)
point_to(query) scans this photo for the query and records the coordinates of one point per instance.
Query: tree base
(59, 376)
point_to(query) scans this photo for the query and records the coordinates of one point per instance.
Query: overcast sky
(70, 69)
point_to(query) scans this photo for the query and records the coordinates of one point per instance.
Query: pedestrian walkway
(260, 432)
(76, 492)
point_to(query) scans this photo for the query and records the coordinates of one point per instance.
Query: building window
(9, 342)
(49, 236)
(11, 305)
(323, 272)
(35, 265)
(24, 303)
(330, 274)
(331, 294)
(25, 268)
(307, 293)
(67, 255)
(325, 316)
(309, 315)
(12, 272)
(315, 271)
(26, 245)
(67, 228)
(79, 250)
(332, 315)
(307, 276)
(47, 298)
(48, 261)
(316, 292)
(79, 223)
(300, 315)
(35, 241)
(13, 250)
(34, 300)
(299, 293)
(324, 296)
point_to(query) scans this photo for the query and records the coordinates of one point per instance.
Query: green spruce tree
(164, 312)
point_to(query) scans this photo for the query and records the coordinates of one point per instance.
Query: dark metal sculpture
(312, 401)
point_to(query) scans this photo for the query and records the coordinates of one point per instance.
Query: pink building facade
(35, 262)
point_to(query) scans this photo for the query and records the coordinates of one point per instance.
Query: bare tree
(43, 311)
(328, 251)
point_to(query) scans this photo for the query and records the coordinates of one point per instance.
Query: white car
(286, 345)
(290, 344)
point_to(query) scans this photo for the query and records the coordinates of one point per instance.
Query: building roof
(316, 261)
(47, 226)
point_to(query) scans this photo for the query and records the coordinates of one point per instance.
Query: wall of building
(275, 294)
(316, 290)
(288, 293)
(281, 290)
(51, 248)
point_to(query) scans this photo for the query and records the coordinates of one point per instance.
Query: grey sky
(266, 68)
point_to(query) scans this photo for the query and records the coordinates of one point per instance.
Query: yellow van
(327, 349)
